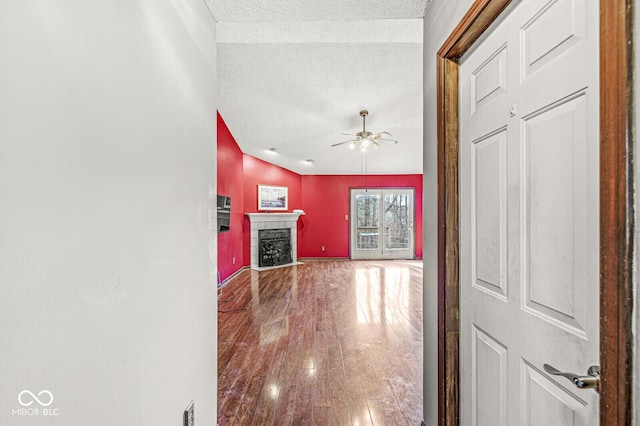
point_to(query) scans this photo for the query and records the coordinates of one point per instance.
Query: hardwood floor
(323, 343)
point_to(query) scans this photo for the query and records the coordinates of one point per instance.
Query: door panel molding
(616, 206)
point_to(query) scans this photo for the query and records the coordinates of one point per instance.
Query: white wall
(107, 152)
(439, 21)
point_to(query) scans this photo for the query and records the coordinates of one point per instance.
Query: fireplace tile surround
(273, 221)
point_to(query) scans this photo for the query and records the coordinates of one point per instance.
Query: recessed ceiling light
(273, 149)
(309, 161)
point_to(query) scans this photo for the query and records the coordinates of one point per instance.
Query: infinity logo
(26, 404)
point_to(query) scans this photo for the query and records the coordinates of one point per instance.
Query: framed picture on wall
(272, 197)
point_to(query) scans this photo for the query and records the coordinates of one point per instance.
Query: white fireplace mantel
(272, 217)
(283, 220)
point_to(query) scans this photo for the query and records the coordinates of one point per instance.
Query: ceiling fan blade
(387, 141)
(381, 135)
(348, 134)
(342, 143)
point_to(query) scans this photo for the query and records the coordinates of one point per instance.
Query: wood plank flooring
(324, 343)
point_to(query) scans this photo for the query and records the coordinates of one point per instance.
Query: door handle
(590, 381)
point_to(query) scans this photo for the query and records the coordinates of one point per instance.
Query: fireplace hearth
(274, 247)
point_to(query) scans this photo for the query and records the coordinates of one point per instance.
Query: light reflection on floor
(272, 330)
(382, 295)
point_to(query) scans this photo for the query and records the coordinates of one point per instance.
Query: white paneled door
(382, 224)
(529, 173)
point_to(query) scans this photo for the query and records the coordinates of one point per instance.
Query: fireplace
(274, 247)
(273, 239)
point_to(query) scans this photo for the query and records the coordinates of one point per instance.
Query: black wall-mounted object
(224, 213)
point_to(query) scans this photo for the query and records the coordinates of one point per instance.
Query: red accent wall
(325, 200)
(230, 177)
(259, 172)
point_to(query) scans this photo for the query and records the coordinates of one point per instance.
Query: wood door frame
(616, 206)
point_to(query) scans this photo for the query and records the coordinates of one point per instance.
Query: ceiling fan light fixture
(365, 139)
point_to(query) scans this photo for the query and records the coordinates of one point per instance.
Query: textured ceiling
(293, 75)
(315, 10)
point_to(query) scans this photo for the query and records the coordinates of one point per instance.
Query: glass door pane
(397, 222)
(368, 221)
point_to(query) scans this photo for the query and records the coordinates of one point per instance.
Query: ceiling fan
(364, 139)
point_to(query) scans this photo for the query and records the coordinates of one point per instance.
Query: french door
(382, 224)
